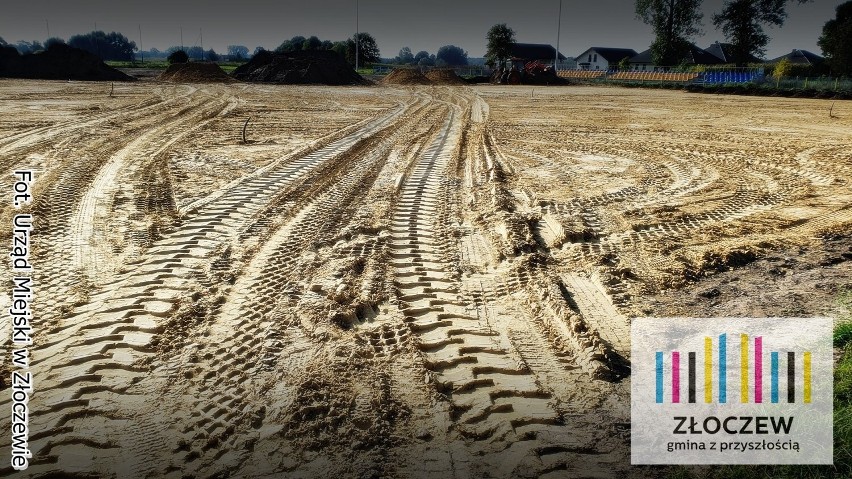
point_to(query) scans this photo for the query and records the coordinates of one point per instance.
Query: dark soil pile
(59, 62)
(194, 73)
(406, 76)
(307, 67)
(445, 77)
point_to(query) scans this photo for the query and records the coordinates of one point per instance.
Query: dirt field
(395, 281)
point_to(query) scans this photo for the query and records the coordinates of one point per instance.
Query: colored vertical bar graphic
(723, 368)
(791, 377)
(744, 368)
(708, 370)
(659, 377)
(691, 360)
(675, 377)
(774, 373)
(758, 369)
(806, 394)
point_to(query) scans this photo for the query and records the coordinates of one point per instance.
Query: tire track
(492, 393)
(273, 274)
(19, 144)
(147, 147)
(95, 354)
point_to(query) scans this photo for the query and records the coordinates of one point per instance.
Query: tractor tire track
(96, 354)
(493, 395)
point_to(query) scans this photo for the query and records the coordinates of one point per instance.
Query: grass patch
(163, 64)
(843, 334)
(751, 89)
(155, 64)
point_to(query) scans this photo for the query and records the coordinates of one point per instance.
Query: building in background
(601, 58)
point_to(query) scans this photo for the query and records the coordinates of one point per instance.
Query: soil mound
(307, 67)
(194, 73)
(59, 62)
(406, 76)
(445, 77)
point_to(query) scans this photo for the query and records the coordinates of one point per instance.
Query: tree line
(448, 55)
(367, 47)
(115, 46)
(675, 22)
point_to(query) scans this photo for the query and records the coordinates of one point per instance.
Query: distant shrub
(179, 56)
(782, 69)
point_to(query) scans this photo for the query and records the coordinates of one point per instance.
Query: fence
(670, 75)
(812, 83)
(731, 75)
(710, 76)
(462, 71)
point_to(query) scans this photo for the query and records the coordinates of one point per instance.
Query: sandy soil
(395, 281)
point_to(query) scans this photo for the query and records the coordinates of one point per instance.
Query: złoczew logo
(731, 391)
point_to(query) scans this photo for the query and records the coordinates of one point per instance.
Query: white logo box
(690, 407)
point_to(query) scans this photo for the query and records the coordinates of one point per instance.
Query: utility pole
(181, 38)
(357, 35)
(201, 39)
(47, 24)
(558, 32)
(141, 55)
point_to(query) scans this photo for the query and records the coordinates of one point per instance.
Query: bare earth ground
(395, 282)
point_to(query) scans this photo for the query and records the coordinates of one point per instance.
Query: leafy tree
(452, 55)
(298, 41)
(53, 41)
(3, 42)
(108, 46)
(405, 57)
(624, 64)
(420, 56)
(674, 22)
(782, 69)
(312, 43)
(742, 23)
(257, 50)
(237, 52)
(294, 44)
(340, 48)
(368, 49)
(286, 46)
(177, 56)
(836, 40)
(327, 45)
(427, 61)
(211, 55)
(501, 39)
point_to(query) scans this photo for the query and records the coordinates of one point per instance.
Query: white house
(599, 58)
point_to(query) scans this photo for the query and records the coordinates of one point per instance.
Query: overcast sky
(419, 24)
